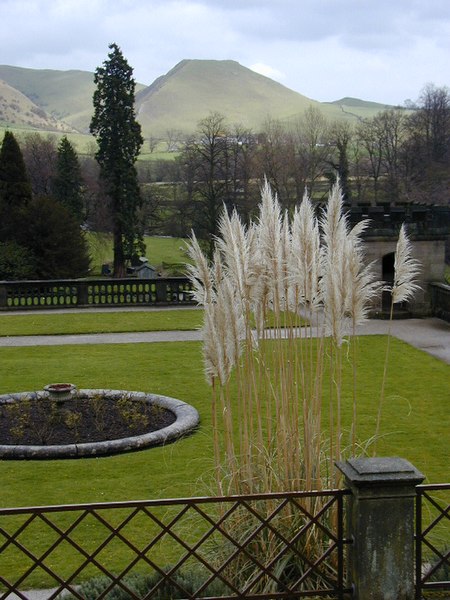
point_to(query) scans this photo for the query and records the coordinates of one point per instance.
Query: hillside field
(160, 251)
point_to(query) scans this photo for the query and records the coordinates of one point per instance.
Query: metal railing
(287, 545)
(70, 293)
(432, 539)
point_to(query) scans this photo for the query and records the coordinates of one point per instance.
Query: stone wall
(431, 255)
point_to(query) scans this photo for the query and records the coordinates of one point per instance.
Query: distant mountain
(62, 100)
(17, 110)
(359, 108)
(194, 88)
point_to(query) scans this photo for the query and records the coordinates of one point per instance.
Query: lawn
(415, 416)
(99, 322)
(414, 424)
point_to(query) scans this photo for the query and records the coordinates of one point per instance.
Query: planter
(60, 391)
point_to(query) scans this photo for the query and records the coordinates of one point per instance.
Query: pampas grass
(283, 268)
(306, 266)
(406, 270)
(271, 381)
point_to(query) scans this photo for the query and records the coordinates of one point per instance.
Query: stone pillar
(82, 293)
(381, 526)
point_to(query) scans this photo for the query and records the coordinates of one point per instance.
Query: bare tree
(341, 136)
(392, 133)
(427, 148)
(174, 139)
(40, 156)
(369, 135)
(152, 143)
(313, 148)
(276, 160)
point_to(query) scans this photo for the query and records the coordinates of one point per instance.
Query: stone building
(428, 229)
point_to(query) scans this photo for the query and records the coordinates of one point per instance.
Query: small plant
(132, 412)
(73, 422)
(98, 404)
(19, 416)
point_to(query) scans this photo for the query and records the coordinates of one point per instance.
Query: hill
(54, 100)
(194, 88)
(17, 110)
(360, 109)
(65, 95)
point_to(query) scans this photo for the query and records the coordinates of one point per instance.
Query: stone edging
(187, 419)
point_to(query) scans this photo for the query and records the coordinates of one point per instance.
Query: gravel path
(430, 335)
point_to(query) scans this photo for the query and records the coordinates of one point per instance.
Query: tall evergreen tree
(119, 141)
(68, 182)
(54, 238)
(15, 188)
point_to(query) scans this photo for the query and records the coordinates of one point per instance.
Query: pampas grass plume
(406, 270)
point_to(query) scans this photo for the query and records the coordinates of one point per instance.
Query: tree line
(398, 156)
(40, 233)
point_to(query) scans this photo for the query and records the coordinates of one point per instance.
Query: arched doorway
(387, 276)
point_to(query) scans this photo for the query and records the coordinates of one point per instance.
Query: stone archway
(387, 275)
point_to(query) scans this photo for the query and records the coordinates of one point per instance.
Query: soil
(47, 422)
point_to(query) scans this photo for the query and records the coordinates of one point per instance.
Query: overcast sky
(381, 50)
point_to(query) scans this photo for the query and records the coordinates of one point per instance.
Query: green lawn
(414, 424)
(99, 322)
(415, 417)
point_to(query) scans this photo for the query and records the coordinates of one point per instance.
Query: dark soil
(46, 422)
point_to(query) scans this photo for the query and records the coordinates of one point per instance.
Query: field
(159, 251)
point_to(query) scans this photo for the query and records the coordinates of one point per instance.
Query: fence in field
(70, 293)
(286, 545)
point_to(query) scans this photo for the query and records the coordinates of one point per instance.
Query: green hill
(194, 88)
(19, 111)
(66, 95)
(360, 109)
(54, 100)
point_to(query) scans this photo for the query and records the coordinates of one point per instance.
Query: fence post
(3, 295)
(380, 525)
(82, 293)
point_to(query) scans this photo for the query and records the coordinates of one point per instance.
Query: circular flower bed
(83, 423)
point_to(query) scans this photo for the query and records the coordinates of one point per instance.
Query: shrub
(180, 585)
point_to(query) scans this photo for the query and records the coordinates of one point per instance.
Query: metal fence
(70, 293)
(432, 540)
(289, 545)
(261, 546)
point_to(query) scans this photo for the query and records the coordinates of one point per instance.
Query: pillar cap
(380, 470)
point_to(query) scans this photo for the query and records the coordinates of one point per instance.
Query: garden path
(430, 335)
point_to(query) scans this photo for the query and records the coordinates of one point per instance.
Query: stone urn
(60, 392)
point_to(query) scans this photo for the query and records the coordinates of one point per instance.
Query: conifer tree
(15, 188)
(68, 182)
(55, 239)
(119, 141)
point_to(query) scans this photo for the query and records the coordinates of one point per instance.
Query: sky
(381, 50)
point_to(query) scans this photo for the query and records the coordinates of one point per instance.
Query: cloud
(325, 49)
(267, 71)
